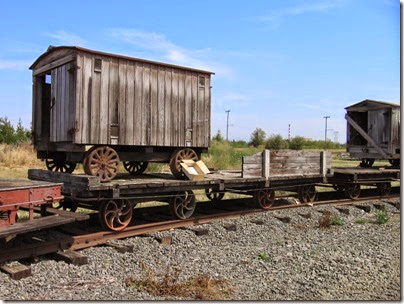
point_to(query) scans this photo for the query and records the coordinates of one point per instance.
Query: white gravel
(272, 261)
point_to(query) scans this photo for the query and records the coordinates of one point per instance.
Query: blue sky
(276, 62)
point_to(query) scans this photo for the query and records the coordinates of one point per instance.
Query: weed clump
(361, 221)
(199, 287)
(264, 257)
(382, 217)
(325, 220)
(337, 221)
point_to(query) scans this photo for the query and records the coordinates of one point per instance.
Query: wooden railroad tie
(71, 257)
(283, 219)
(366, 208)
(165, 240)
(394, 204)
(200, 231)
(120, 248)
(343, 210)
(257, 222)
(17, 270)
(379, 206)
(305, 215)
(230, 227)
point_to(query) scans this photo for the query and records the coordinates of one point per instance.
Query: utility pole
(325, 136)
(289, 133)
(227, 128)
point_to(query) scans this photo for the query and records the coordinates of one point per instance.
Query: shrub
(382, 217)
(218, 137)
(257, 137)
(276, 142)
(9, 135)
(297, 143)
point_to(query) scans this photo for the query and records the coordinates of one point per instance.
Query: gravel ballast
(264, 259)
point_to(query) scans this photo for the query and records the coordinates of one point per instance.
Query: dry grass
(16, 159)
(200, 287)
(325, 220)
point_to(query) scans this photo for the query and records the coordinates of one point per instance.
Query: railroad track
(154, 219)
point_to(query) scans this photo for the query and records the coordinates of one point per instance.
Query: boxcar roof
(372, 104)
(52, 49)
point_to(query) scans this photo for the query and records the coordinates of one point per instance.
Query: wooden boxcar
(99, 108)
(373, 131)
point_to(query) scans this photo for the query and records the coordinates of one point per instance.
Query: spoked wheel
(307, 194)
(384, 188)
(59, 165)
(352, 191)
(214, 195)
(115, 215)
(102, 162)
(264, 198)
(135, 167)
(366, 162)
(177, 157)
(394, 162)
(66, 204)
(183, 204)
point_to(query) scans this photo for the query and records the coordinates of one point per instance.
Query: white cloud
(276, 15)
(15, 64)
(158, 46)
(66, 38)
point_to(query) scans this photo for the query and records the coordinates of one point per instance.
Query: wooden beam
(52, 65)
(16, 271)
(266, 163)
(365, 135)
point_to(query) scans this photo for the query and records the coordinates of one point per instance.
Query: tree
(276, 142)
(257, 137)
(6, 131)
(218, 136)
(297, 143)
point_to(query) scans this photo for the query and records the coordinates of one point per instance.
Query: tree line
(277, 142)
(13, 135)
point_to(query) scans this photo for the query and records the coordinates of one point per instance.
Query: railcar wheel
(135, 167)
(307, 194)
(59, 165)
(394, 162)
(177, 157)
(338, 187)
(384, 188)
(214, 195)
(353, 191)
(182, 204)
(115, 215)
(264, 198)
(366, 162)
(102, 162)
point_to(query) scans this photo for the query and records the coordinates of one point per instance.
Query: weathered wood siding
(125, 102)
(271, 163)
(62, 102)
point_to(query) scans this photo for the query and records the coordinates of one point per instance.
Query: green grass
(361, 221)
(382, 217)
(264, 257)
(337, 221)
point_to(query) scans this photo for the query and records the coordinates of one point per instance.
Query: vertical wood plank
(201, 115)
(167, 108)
(160, 106)
(62, 103)
(181, 108)
(95, 105)
(104, 102)
(79, 101)
(122, 101)
(206, 138)
(86, 89)
(266, 163)
(68, 106)
(174, 109)
(194, 92)
(52, 106)
(130, 97)
(113, 97)
(153, 105)
(188, 101)
(139, 132)
(146, 105)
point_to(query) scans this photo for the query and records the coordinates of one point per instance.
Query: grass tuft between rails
(199, 287)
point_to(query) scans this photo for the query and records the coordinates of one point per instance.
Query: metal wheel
(59, 165)
(102, 162)
(214, 195)
(264, 198)
(384, 188)
(394, 162)
(135, 167)
(366, 162)
(352, 191)
(115, 215)
(183, 204)
(307, 194)
(176, 158)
